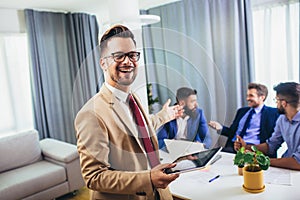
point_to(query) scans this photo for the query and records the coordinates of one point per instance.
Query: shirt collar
(258, 109)
(184, 119)
(296, 118)
(118, 93)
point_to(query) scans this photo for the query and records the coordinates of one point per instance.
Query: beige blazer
(113, 163)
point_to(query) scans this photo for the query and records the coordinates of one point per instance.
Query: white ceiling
(98, 7)
(88, 5)
(73, 5)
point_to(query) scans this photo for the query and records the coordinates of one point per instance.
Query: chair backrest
(217, 139)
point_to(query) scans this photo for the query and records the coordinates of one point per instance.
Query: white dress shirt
(182, 127)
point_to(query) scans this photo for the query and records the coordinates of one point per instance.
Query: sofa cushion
(19, 149)
(58, 150)
(30, 179)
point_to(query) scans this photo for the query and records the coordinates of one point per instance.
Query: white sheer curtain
(15, 102)
(276, 44)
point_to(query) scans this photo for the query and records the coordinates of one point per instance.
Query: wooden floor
(82, 194)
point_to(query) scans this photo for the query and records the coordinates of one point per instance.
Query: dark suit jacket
(197, 130)
(268, 120)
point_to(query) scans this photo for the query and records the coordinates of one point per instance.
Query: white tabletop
(195, 185)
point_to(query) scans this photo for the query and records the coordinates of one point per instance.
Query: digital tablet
(194, 161)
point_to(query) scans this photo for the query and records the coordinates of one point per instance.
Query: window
(276, 44)
(15, 102)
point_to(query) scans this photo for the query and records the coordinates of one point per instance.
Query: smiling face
(119, 74)
(254, 100)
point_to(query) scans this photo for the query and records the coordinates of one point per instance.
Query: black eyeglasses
(133, 56)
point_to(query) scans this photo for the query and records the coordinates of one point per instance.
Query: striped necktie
(143, 133)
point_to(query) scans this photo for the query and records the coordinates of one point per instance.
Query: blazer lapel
(125, 120)
(192, 126)
(263, 118)
(175, 127)
(116, 107)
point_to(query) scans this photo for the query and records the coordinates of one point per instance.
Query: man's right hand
(215, 125)
(239, 143)
(159, 178)
(175, 111)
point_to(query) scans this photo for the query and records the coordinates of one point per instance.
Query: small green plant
(255, 160)
(151, 101)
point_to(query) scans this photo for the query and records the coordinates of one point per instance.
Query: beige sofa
(37, 170)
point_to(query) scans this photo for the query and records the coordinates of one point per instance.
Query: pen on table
(214, 178)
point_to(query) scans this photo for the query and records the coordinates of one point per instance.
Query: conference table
(280, 184)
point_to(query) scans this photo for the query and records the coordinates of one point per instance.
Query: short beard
(127, 82)
(281, 110)
(189, 112)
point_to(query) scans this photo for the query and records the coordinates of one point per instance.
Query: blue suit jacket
(268, 120)
(197, 130)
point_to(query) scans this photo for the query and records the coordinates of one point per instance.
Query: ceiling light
(127, 11)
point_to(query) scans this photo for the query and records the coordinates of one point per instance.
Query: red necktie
(152, 157)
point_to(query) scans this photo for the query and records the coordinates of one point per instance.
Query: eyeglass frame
(113, 55)
(278, 99)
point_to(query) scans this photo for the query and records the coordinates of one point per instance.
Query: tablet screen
(194, 161)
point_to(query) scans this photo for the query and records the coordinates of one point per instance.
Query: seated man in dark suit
(255, 123)
(191, 126)
(286, 129)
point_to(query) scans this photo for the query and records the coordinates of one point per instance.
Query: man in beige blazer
(113, 159)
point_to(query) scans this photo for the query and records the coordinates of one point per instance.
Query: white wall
(12, 21)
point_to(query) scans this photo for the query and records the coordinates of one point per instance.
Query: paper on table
(177, 148)
(278, 176)
(201, 176)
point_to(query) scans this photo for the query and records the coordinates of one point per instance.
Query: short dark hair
(184, 92)
(261, 89)
(115, 31)
(290, 92)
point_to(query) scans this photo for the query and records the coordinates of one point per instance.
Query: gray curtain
(206, 45)
(64, 68)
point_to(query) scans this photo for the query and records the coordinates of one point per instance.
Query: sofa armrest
(58, 150)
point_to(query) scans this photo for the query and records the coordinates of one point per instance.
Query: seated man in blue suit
(255, 123)
(191, 126)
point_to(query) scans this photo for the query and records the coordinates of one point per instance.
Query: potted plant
(240, 169)
(151, 100)
(254, 163)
